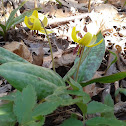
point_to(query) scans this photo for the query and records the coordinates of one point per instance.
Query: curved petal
(43, 31)
(93, 40)
(45, 21)
(86, 39)
(74, 35)
(32, 18)
(95, 44)
(35, 13)
(36, 24)
(26, 21)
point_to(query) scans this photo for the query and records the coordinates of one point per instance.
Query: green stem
(53, 65)
(79, 63)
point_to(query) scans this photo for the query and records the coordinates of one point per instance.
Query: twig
(89, 6)
(58, 21)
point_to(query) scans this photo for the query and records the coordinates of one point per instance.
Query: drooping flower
(88, 40)
(34, 23)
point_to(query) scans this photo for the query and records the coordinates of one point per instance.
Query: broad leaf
(7, 56)
(92, 61)
(72, 122)
(95, 107)
(24, 103)
(109, 102)
(6, 113)
(9, 97)
(83, 107)
(75, 85)
(5, 123)
(63, 99)
(73, 69)
(45, 108)
(19, 75)
(85, 96)
(106, 79)
(100, 121)
(61, 95)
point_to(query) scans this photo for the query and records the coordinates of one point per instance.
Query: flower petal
(36, 24)
(45, 21)
(43, 31)
(95, 44)
(26, 21)
(31, 18)
(35, 13)
(74, 35)
(86, 39)
(93, 40)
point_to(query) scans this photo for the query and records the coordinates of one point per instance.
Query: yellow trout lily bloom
(34, 23)
(88, 40)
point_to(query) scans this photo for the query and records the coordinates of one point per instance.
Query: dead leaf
(61, 58)
(37, 53)
(20, 49)
(92, 90)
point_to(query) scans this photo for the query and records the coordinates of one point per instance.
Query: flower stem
(79, 62)
(53, 65)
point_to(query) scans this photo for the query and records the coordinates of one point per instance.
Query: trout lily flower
(88, 40)
(34, 23)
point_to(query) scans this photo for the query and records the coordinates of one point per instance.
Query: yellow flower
(88, 40)
(34, 23)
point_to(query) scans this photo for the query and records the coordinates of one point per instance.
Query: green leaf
(45, 108)
(115, 59)
(85, 96)
(3, 27)
(100, 121)
(7, 56)
(6, 113)
(83, 107)
(20, 18)
(73, 69)
(106, 79)
(7, 123)
(109, 102)
(61, 95)
(75, 85)
(95, 107)
(1, 33)
(64, 101)
(9, 97)
(19, 75)
(11, 17)
(121, 90)
(24, 103)
(92, 61)
(72, 122)
(39, 121)
(59, 2)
